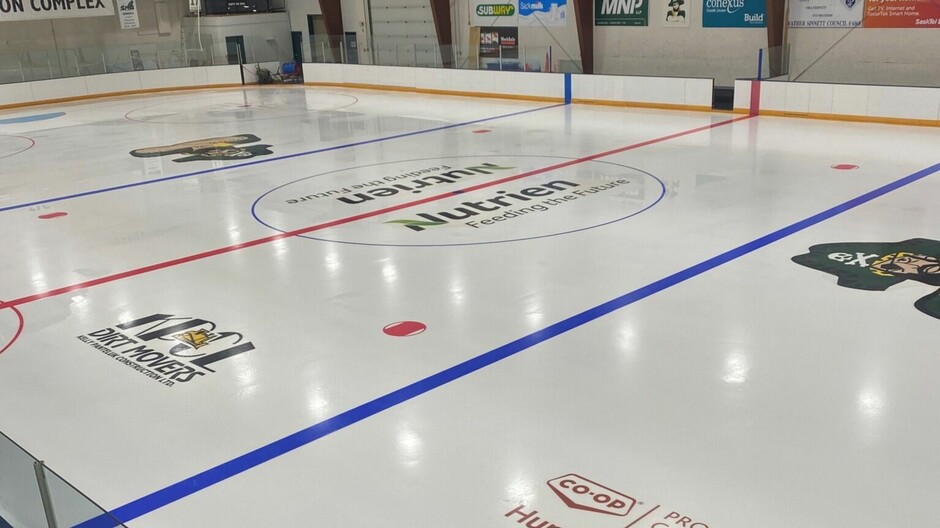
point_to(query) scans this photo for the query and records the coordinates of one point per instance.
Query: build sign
(734, 13)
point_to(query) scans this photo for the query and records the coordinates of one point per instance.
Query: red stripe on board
(19, 329)
(349, 219)
(755, 99)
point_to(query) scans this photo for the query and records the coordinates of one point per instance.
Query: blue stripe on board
(269, 160)
(4, 523)
(567, 88)
(30, 119)
(174, 492)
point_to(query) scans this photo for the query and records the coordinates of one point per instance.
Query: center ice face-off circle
(460, 200)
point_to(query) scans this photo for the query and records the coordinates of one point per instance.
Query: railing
(343, 50)
(39, 65)
(33, 496)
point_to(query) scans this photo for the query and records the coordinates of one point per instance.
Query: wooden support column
(333, 18)
(776, 26)
(584, 17)
(440, 10)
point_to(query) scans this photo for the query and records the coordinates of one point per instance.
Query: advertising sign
(11, 10)
(826, 13)
(621, 12)
(902, 14)
(494, 38)
(490, 13)
(734, 13)
(548, 13)
(674, 14)
(128, 12)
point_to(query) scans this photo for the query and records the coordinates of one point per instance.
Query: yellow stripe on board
(117, 94)
(654, 106)
(847, 117)
(439, 92)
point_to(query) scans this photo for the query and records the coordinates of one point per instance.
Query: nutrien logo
(510, 205)
(166, 348)
(417, 185)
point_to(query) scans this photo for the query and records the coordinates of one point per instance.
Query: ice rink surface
(338, 309)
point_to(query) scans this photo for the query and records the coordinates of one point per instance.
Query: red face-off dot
(47, 216)
(482, 131)
(405, 328)
(845, 166)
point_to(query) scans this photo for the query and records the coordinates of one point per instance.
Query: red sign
(902, 14)
(582, 494)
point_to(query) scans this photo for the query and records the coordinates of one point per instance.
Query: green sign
(621, 12)
(496, 10)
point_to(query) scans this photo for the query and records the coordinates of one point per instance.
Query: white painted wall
(403, 33)
(267, 35)
(723, 54)
(904, 57)
(85, 44)
(33, 35)
(533, 41)
(354, 19)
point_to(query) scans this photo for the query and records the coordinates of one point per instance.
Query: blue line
(4, 523)
(30, 119)
(760, 63)
(567, 88)
(175, 492)
(269, 160)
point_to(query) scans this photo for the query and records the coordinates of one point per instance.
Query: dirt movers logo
(167, 348)
(217, 148)
(876, 266)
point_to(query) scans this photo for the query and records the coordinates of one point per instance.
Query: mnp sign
(11, 10)
(621, 12)
(734, 13)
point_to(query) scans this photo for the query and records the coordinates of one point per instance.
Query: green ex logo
(496, 10)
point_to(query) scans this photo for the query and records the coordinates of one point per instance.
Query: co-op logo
(582, 494)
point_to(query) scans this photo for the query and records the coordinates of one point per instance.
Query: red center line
(333, 223)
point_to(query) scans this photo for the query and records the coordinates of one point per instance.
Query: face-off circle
(460, 200)
(11, 326)
(13, 145)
